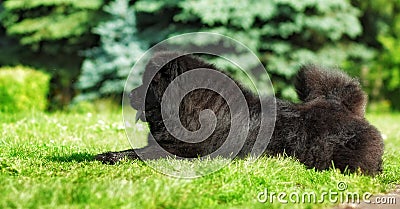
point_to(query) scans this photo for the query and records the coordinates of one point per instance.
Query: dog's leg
(113, 157)
(145, 153)
(150, 152)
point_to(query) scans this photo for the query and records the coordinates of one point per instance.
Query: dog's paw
(108, 158)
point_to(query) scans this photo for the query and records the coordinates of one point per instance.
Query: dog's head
(161, 70)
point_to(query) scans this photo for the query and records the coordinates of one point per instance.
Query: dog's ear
(169, 65)
(315, 82)
(160, 63)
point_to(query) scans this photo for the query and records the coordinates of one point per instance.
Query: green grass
(46, 162)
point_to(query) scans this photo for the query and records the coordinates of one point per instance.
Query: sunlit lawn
(45, 162)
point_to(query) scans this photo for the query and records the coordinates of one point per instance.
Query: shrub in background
(49, 35)
(23, 89)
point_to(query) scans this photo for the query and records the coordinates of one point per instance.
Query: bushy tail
(316, 82)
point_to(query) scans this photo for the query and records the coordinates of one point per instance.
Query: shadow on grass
(74, 157)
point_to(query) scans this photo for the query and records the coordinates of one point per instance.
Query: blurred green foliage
(49, 34)
(102, 39)
(388, 67)
(23, 89)
(389, 61)
(39, 23)
(284, 34)
(98, 106)
(381, 77)
(107, 67)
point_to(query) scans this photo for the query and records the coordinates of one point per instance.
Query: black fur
(327, 128)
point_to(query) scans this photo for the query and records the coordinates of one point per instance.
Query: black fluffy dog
(327, 128)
